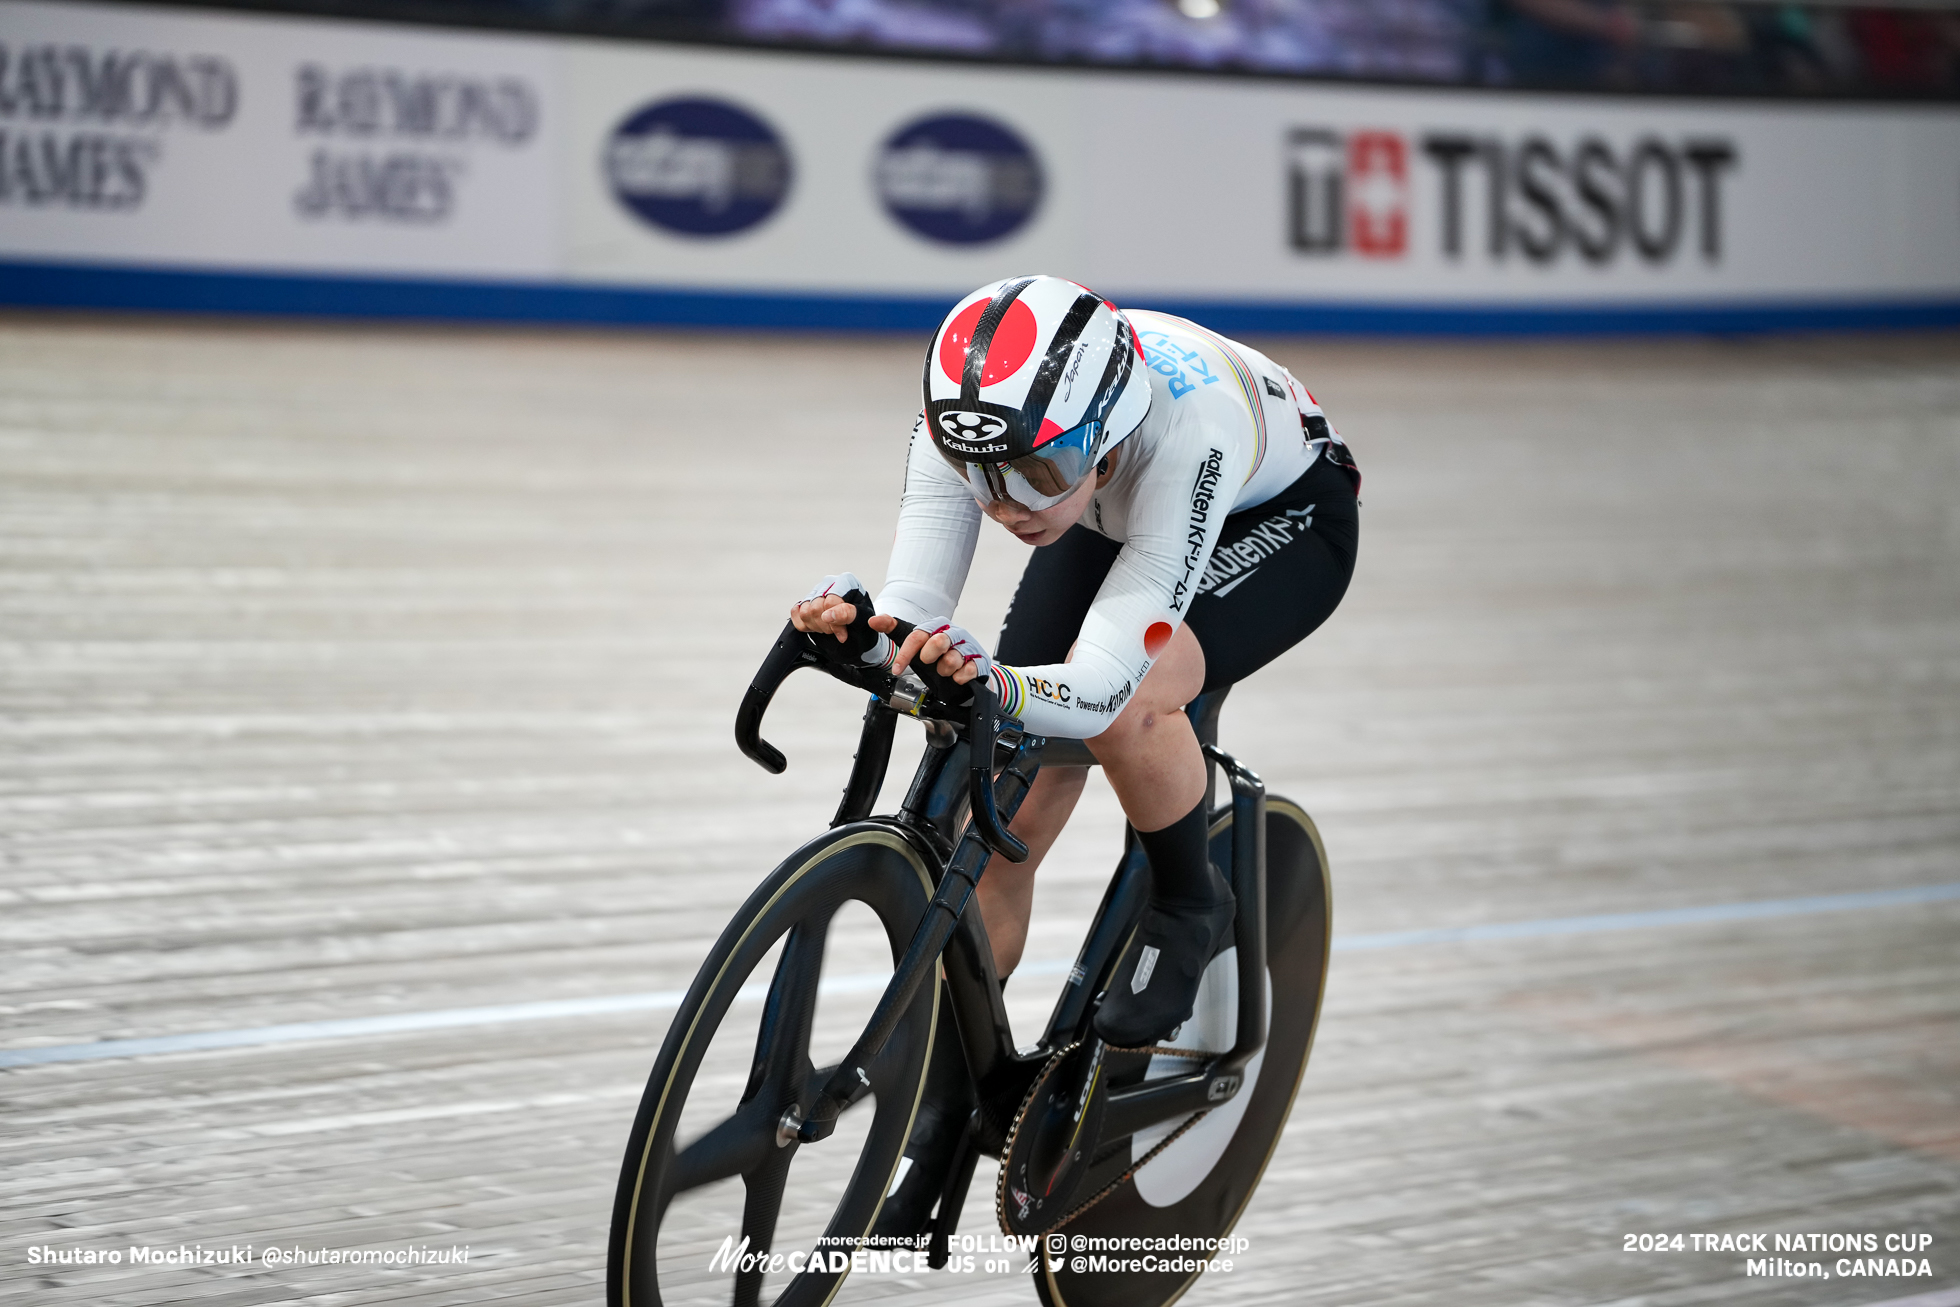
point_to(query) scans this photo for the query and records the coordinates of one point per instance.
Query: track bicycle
(870, 1144)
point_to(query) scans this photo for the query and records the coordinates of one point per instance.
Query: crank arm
(1138, 1107)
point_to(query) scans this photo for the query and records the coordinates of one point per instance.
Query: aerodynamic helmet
(1029, 383)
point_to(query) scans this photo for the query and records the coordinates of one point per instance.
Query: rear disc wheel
(1199, 1185)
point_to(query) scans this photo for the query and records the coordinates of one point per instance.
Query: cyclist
(1193, 516)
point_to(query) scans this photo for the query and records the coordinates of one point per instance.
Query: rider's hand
(824, 611)
(949, 650)
(831, 608)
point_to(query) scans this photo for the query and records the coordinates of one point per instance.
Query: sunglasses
(1043, 479)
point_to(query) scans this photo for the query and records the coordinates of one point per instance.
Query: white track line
(667, 999)
(1761, 909)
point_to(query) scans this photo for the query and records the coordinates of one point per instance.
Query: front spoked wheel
(717, 1202)
(1202, 1175)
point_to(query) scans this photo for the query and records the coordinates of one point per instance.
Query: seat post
(1203, 712)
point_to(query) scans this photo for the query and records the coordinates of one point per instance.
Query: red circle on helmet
(1012, 343)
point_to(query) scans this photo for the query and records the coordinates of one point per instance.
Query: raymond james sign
(394, 144)
(160, 136)
(82, 126)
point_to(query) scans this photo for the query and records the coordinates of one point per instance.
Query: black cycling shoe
(1156, 983)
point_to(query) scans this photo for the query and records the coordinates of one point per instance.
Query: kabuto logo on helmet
(973, 433)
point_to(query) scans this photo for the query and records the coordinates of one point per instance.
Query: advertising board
(186, 139)
(157, 158)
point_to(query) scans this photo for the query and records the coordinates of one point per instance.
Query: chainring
(1056, 1164)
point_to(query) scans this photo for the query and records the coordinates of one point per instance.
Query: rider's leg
(1150, 753)
(1006, 892)
(1158, 772)
(1304, 540)
(1055, 593)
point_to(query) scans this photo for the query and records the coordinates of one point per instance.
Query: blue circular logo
(959, 179)
(696, 166)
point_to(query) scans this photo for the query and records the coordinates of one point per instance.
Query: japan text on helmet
(1029, 383)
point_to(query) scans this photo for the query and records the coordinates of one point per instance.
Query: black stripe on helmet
(1115, 377)
(932, 356)
(1050, 372)
(983, 338)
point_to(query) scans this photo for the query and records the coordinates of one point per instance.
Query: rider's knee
(1134, 726)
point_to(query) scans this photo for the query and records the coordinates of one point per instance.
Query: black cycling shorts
(1279, 571)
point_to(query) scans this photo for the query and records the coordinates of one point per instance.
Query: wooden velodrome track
(357, 673)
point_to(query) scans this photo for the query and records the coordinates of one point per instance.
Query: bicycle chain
(1000, 1185)
(1160, 1050)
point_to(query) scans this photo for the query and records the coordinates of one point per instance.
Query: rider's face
(1044, 526)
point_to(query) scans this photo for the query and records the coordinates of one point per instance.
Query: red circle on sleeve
(1156, 638)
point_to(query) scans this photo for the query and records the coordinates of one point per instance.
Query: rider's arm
(938, 522)
(1182, 495)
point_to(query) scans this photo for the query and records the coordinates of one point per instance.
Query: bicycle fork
(935, 930)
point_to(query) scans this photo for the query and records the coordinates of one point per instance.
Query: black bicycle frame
(984, 772)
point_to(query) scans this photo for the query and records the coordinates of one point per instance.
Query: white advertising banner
(585, 173)
(163, 137)
(1262, 190)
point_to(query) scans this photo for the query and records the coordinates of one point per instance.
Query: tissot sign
(508, 175)
(1535, 197)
